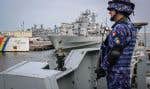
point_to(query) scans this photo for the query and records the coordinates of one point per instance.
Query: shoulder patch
(114, 33)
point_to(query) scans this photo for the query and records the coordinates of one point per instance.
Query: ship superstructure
(84, 25)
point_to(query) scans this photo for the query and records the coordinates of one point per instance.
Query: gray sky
(51, 12)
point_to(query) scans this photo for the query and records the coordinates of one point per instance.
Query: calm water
(9, 59)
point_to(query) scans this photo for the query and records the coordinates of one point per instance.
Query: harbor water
(8, 59)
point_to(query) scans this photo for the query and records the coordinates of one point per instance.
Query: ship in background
(9, 44)
(85, 31)
(15, 41)
(31, 39)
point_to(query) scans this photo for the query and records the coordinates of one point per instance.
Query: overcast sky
(51, 12)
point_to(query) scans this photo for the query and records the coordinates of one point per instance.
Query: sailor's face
(112, 14)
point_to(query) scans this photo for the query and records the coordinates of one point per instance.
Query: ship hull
(11, 44)
(67, 42)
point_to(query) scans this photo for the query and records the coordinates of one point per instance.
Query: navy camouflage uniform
(118, 76)
(123, 35)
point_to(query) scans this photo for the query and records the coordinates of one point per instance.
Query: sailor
(118, 47)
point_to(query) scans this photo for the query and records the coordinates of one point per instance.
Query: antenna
(106, 21)
(145, 35)
(22, 25)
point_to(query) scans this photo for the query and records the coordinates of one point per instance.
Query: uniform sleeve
(117, 38)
